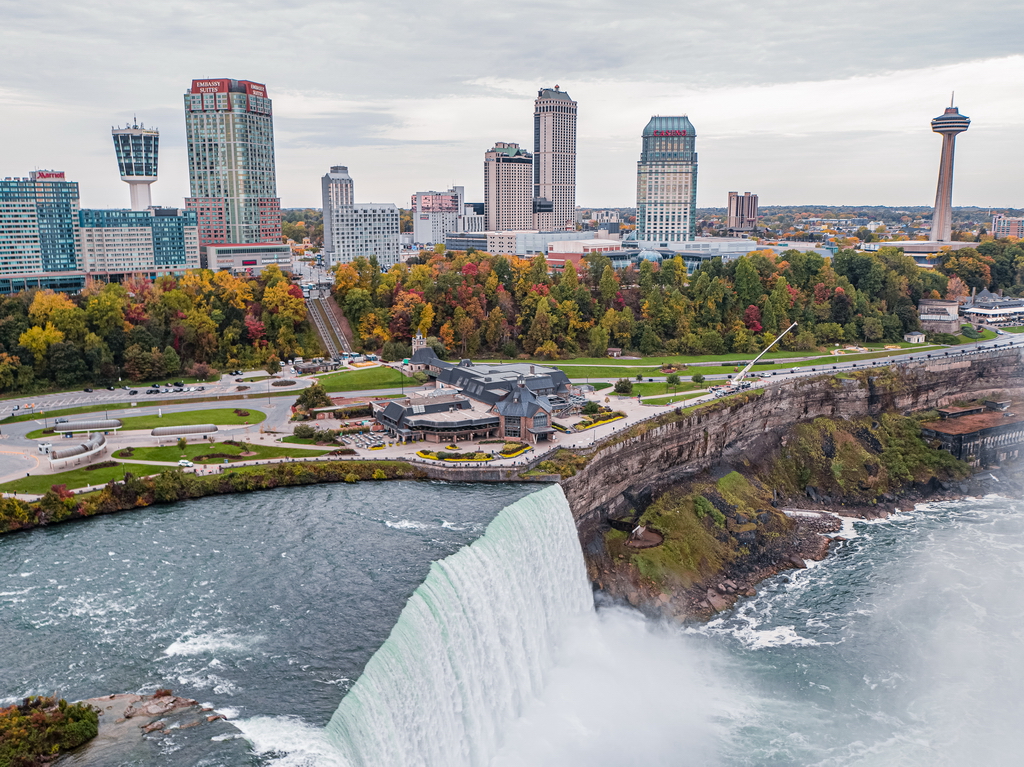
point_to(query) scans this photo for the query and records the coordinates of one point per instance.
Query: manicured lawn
(1018, 329)
(645, 389)
(369, 378)
(674, 399)
(40, 483)
(986, 335)
(171, 453)
(218, 416)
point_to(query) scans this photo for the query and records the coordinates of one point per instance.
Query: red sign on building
(41, 175)
(254, 89)
(210, 86)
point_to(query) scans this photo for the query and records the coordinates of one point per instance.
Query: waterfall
(471, 645)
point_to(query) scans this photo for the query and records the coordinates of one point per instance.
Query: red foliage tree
(752, 319)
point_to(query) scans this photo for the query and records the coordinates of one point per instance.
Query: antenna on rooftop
(951, 95)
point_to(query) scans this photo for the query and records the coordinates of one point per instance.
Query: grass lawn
(1018, 329)
(219, 416)
(673, 399)
(368, 378)
(683, 359)
(171, 453)
(986, 335)
(645, 389)
(40, 483)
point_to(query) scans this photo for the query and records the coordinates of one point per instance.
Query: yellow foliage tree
(279, 300)
(38, 339)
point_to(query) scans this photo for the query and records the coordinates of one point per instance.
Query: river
(903, 647)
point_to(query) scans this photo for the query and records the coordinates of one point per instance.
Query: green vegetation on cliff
(708, 524)
(37, 730)
(858, 460)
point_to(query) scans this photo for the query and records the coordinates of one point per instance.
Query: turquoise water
(902, 648)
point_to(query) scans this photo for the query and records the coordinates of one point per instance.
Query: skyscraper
(949, 123)
(40, 242)
(137, 148)
(742, 211)
(666, 182)
(230, 129)
(554, 160)
(508, 188)
(355, 229)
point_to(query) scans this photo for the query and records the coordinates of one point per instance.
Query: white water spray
(470, 648)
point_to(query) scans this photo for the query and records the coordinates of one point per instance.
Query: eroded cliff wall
(633, 471)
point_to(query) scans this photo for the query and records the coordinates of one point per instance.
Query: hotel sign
(40, 175)
(209, 86)
(669, 133)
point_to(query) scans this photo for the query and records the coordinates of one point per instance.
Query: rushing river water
(903, 647)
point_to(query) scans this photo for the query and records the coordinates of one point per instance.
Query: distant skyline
(787, 102)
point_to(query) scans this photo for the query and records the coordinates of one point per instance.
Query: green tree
(313, 397)
(598, 341)
(672, 380)
(609, 286)
(698, 379)
(747, 282)
(623, 386)
(171, 361)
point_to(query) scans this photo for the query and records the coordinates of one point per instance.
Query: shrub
(241, 413)
(38, 729)
(379, 474)
(623, 386)
(351, 478)
(101, 465)
(591, 408)
(304, 431)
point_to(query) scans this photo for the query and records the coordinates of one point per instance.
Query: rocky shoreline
(817, 521)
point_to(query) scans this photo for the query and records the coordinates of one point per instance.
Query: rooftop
(966, 424)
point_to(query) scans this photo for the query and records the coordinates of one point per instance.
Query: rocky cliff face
(655, 456)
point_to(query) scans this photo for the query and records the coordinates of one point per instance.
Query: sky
(801, 102)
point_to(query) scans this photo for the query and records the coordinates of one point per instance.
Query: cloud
(798, 100)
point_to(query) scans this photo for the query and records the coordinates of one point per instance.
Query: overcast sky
(801, 102)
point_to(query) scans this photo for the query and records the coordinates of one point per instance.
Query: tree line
(143, 330)
(470, 303)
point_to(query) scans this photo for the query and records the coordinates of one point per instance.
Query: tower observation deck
(949, 124)
(137, 148)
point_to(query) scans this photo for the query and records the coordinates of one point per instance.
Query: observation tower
(137, 147)
(949, 124)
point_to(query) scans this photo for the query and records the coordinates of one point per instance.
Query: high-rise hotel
(39, 233)
(230, 129)
(508, 188)
(554, 160)
(666, 182)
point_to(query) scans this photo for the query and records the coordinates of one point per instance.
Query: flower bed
(455, 458)
(585, 424)
(514, 449)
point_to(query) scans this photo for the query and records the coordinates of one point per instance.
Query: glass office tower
(666, 182)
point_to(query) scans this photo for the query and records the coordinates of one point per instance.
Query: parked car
(179, 383)
(61, 420)
(133, 392)
(152, 391)
(185, 462)
(110, 388)
(87, 391)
